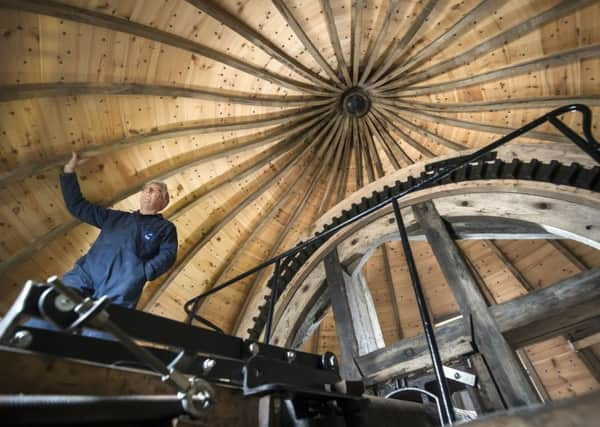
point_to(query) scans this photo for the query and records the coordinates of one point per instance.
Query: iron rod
(425, 319)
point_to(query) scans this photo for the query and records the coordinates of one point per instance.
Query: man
(131, 248)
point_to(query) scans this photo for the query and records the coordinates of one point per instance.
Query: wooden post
(346, 333)
(512, 382)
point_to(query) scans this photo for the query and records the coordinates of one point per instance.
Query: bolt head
(22, 339)
(64, 304)
(290, 356)
(208, 364)
(253, 348)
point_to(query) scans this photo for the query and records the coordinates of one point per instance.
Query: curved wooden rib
(356, 39)
(499, 130)
(400, 47)
(254, 37)
(266, 219)
(339, 172)
(498, 105)
(337, 143)
(464, 24)
(379, 122)
(554, 13)
(38, 90)
(425, 132)
(377, 129)
(357, 155)
(177, 131)
(254, 288)
(155, 289)
(345, 165)
(86, 16)
(335, 41)
(306, 42)
(368, 161)
(560, 58)
(373, 54)
(388, 121)
(372, 152)
(282, 132)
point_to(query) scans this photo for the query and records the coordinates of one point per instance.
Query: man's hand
(73, 163)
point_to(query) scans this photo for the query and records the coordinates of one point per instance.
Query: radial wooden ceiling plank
(388, 120)
(423, 131)
(374, 152)
(340, 172)
(265, 219)
(346, 162)
(357, 155)
(376, 130)
(229, 124)
(499, 104)
(306, 42)
(337, 141)
(155, 289)
(335, 41)
(269, 216)
(561, 58)
(357, 14)
(464, 24)
(90, 17)
(378, 43)
(499, 130)
(327, 143)
(267, 137)
(379, 120)
(212, 9)
(366, 151)
(400, 47)
(39, 90)
(530, 24)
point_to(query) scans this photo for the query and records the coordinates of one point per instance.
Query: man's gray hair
(164, 191)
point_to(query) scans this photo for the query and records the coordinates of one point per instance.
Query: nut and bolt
(290, 356)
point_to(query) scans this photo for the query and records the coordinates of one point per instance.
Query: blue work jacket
(131, 248)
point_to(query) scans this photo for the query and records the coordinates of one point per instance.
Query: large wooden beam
(525, 320)
(512, 381)
(347, 335)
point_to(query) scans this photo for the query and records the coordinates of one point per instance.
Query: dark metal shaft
(427, 326)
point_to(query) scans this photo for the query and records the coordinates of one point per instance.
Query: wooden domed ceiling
(259, 115)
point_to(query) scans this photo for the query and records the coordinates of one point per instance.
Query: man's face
(151, 199)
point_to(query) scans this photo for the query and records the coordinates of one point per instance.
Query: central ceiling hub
(355, 102)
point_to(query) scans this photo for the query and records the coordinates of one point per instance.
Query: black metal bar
(427, 325)
(586, 146)
(590, 146)
(273, 300)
